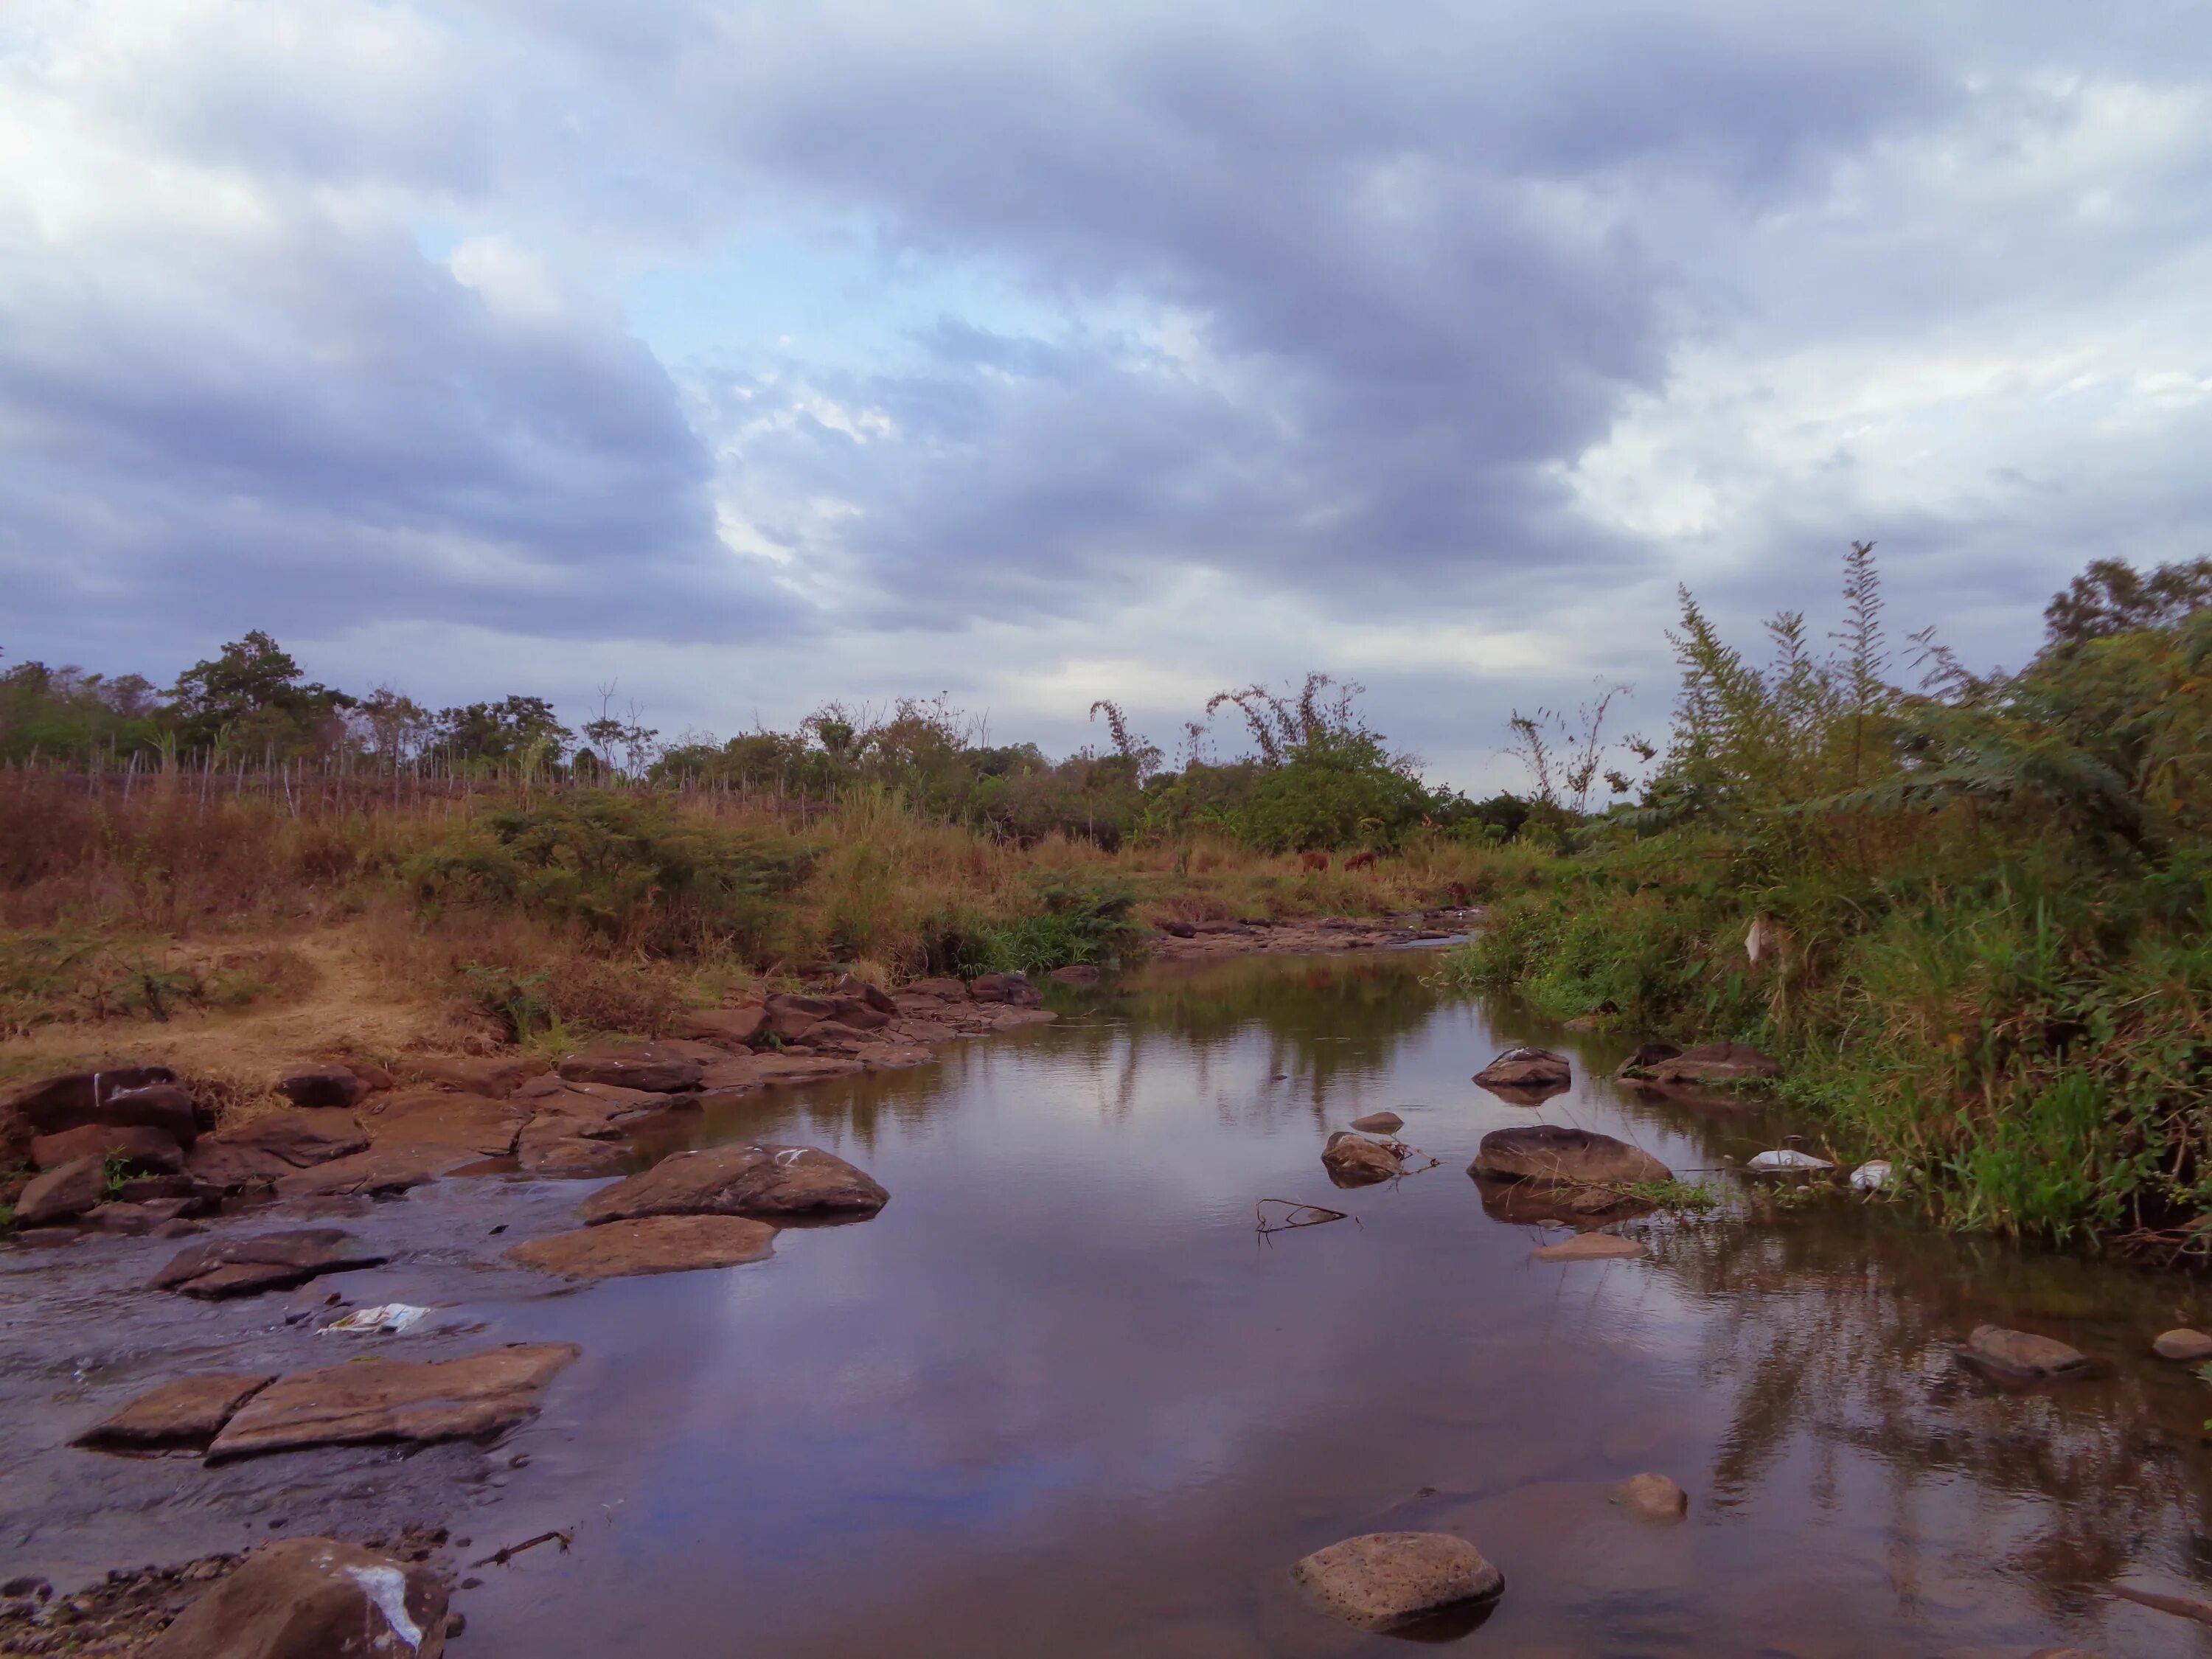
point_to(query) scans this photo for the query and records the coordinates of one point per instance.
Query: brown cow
(1359, 861)
(1313, 864)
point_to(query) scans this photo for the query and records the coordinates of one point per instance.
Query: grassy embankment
(1984, 904)
(236, 933)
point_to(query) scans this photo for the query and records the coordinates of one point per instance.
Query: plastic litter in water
(1872, 1175)
(1787, 1158)
(386, 1319)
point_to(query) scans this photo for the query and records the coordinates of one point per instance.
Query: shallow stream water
(1060, 1399)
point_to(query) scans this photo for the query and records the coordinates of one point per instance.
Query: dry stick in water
(1314, 1215)
(2182, 1607)
(500, 1557)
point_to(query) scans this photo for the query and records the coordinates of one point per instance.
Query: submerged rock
(1526, 1068)
(1553, 1155)
(1593, 1247)
(649, 1244)
(756, 1181)
(189, 1411)
(2190, 1347)
(1386, 1580)
(267, 1262)
(1651, 1497)
(1521, 1203)
(313, 1598)
(2022, 1356)
(1354, 1160)
(1379, 1123)
(379, 1400)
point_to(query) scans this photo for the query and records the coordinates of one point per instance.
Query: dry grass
(277, 932)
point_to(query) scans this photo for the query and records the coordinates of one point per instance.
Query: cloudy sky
(750, 355)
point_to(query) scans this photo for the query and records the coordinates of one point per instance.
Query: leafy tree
(2112, 596)
(518, 733)
(252, 698)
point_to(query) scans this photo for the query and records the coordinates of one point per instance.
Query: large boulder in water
(1551, 1154)
(1354, 1160)
(313, 1598)
(771, 1181)
(1387, 1580)
(1526, 1068)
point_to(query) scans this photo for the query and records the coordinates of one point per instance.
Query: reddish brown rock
(274, 1144)
(1644, 1057)
(265, 1261)
(649, 1244)
(1526, 1068)
(496, 1076)
(731, 1028)
(1387, 1580)
(381, 1169)
(649, 1067)
(1651, 1497)
(1014, 989)
(322, 1085)
(1550, 1154)
(789, 1018)
(379, 1399)
(758, 1070)
(1715, 1063)
(558, 1147)
(189, 1411)
(1379, 1123)
(773, 1181)
(313, 1598)
(854, 987)
(432, 1118)
(934, 990)
(134, 1146)
(137, 1220)
(2190, 1347)
(63, 1195)
(76, 1099)
(1356, 1161)
(2022, 1356)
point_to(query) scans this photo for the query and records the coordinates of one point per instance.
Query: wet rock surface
(1379, 1123)
(1551, 1154)
(2022, 1355)
(313, 1598)
(1526, 1068)
(266, 1262)
(649, 1244)
(378, 1399)
(1390, 1580)
(1356, 1160)
(2190, 1347)
(764, 1182)
(190, 1411)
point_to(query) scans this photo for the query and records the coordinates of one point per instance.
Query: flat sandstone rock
(1594, 1246)
(1384, 1580)
(374, 1400)
(754, 1181)
(2022, 1356)
(189, 1411)
(649, 1244)
(266, 1262)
